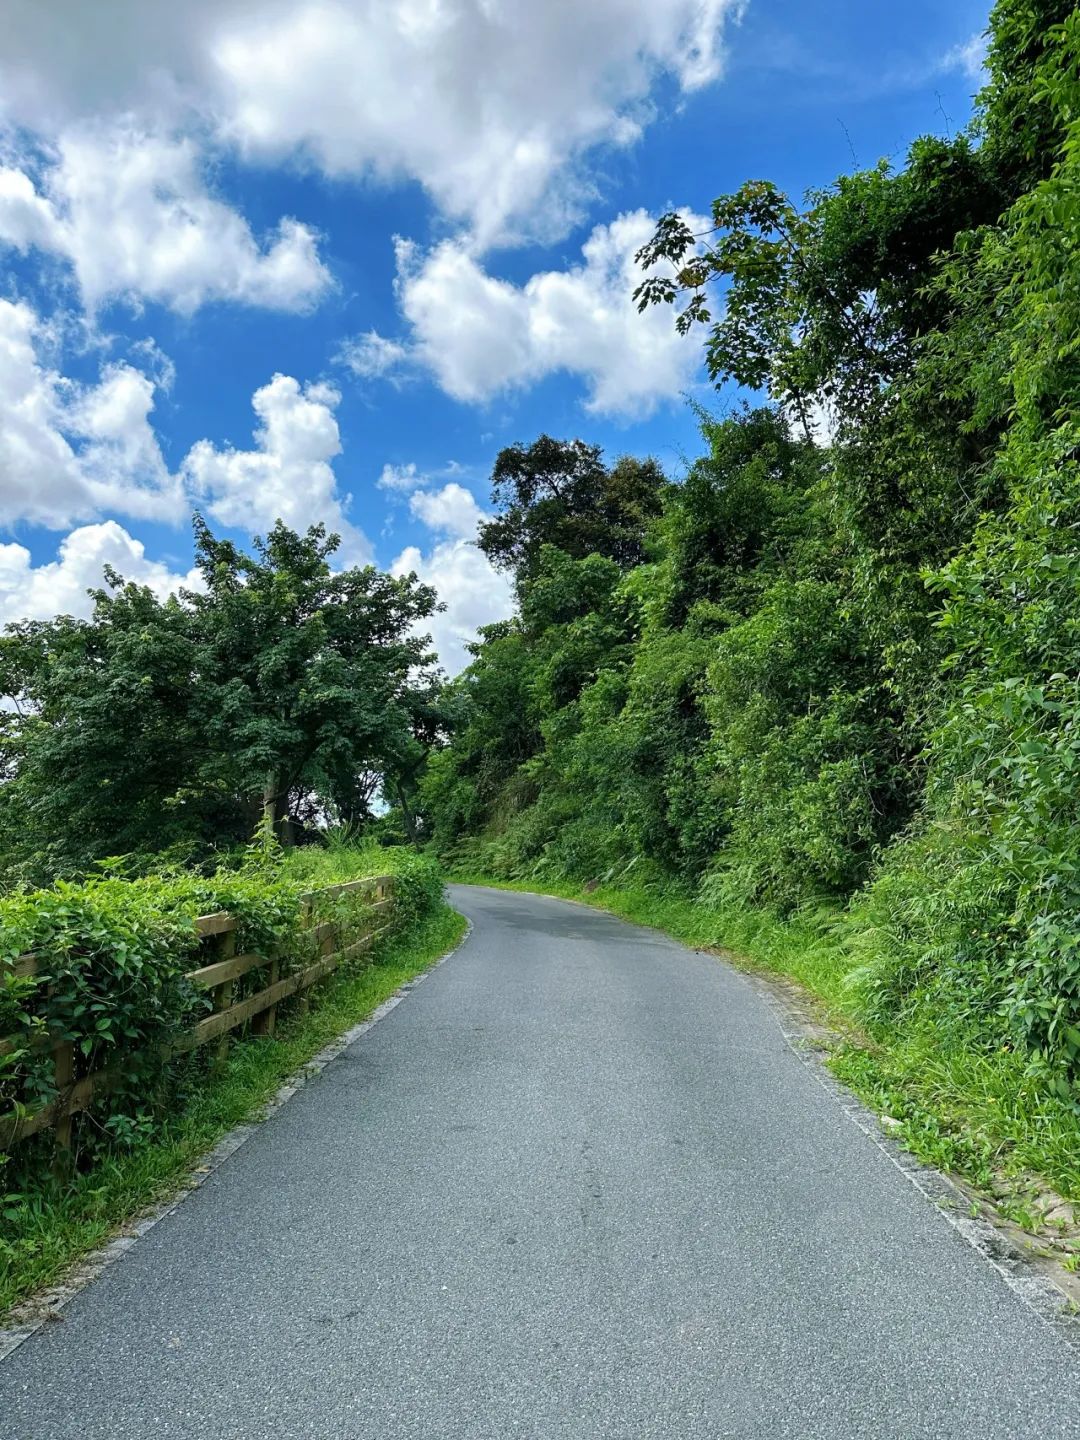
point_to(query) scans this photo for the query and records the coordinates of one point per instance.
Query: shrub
(112, 957)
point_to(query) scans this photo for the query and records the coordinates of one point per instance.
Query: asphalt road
(575, 1186)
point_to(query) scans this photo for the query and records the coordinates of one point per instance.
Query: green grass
(340, 860)
(973, 1112)
(49, 1227)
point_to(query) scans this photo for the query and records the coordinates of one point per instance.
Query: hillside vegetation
(830, 678)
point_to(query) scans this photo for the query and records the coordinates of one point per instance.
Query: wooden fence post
(264, 1022)
(328, 944)
(223, 997)
(303, 1000)
(64, 1078)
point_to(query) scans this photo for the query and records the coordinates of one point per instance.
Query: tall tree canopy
(560, 493)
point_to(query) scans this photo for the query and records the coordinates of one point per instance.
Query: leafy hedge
(112, 956)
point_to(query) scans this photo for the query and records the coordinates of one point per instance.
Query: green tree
(308, 676)
(100, 747)
(276, 690)
(560, 493)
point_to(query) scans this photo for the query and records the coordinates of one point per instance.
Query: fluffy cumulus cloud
(479, 335)
(132, 215)
(59, 587)
(473, 592)
(288, 474)
(452, 510)
(68, 452)
(71, 452)
(490, 104)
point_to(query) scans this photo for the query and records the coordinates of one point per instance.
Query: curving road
(575, 1186)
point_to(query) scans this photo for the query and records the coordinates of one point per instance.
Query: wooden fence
(218, 975)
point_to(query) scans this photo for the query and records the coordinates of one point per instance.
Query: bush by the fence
(111, 958)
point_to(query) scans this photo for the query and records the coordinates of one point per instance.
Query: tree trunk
(274, 814)
(406, 814)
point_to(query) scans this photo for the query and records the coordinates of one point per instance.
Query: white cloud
(288, 475)
(131, 212)
(450, 511)
(401, 478)
(479, 335)
(489, 104)
(497, 92)
(27, 220)
(969, 58)
(121, 458)
(473, 592)
(59, 587)
(69, 451)
(157, 363)
(816, 420)
(372, 356)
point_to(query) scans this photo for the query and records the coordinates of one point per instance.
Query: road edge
(1034, 1290)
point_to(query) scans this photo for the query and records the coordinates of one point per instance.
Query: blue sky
(323, 258)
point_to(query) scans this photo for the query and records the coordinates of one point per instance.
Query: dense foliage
(277, 691)
(837, 663)
(558, 493)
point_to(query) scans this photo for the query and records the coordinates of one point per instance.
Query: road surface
(576, 1185)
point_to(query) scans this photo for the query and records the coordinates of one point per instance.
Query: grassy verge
(968, 1111)
(50, 1228)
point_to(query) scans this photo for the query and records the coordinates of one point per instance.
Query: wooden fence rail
(219, 975)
